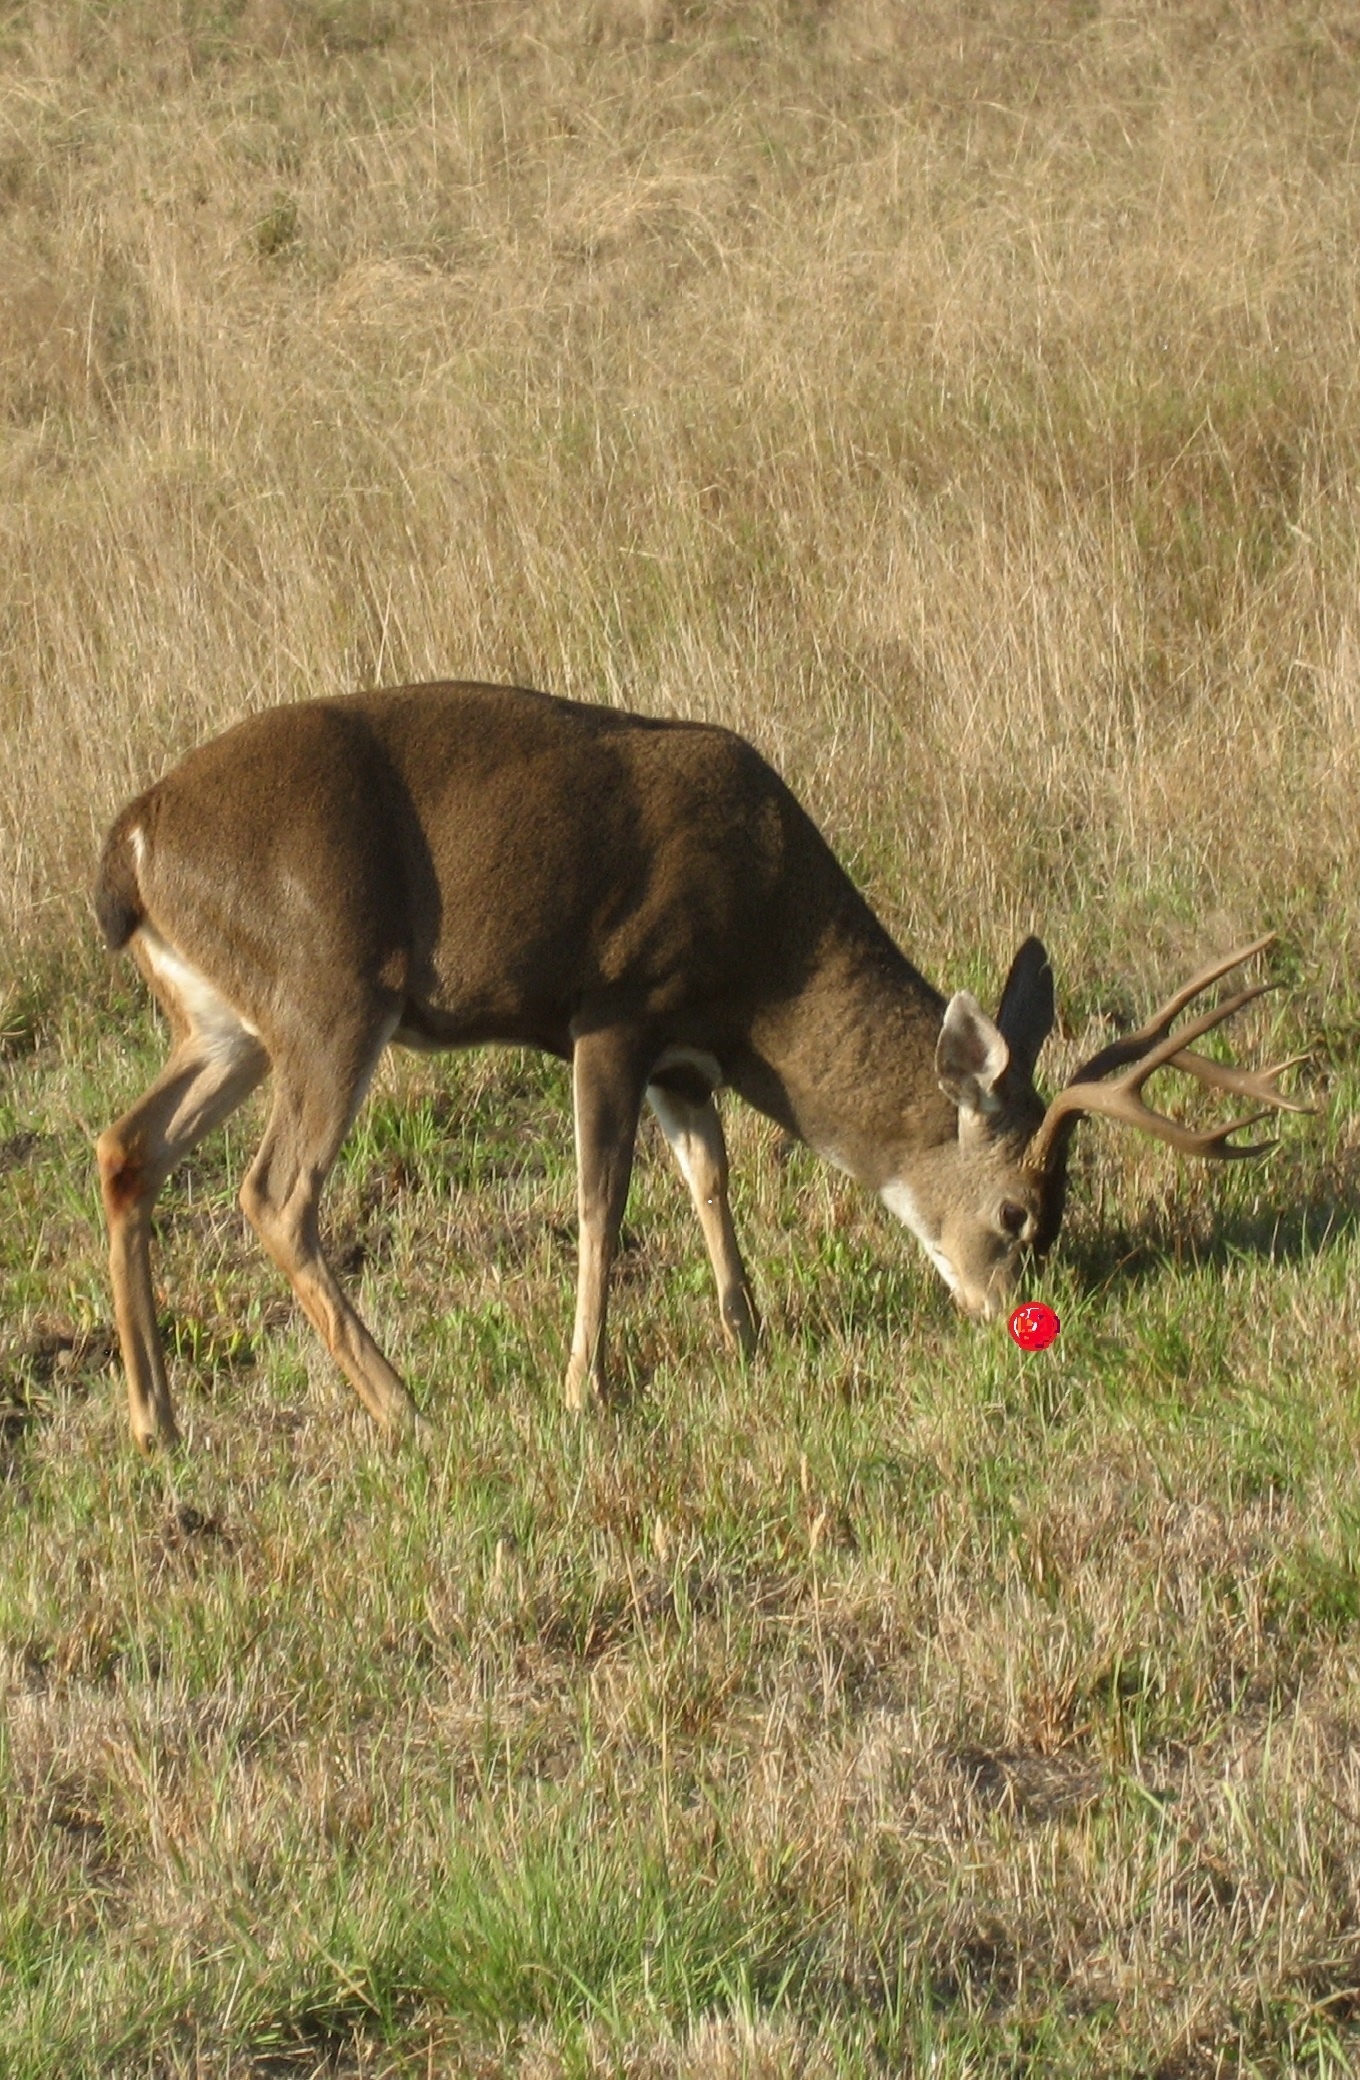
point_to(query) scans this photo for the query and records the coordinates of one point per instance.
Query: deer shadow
(1323, 1218)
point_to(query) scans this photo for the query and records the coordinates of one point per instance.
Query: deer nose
(979, 1307)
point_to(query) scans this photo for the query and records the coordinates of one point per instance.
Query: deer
(455, 865)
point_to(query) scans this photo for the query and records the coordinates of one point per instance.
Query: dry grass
(962, 402)
(965, 407)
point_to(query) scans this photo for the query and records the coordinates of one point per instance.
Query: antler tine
(1133, 1045)
(1155, 1047)
(1154, 1037)
(1197, 984)
(1121, 1100)
(1244, 1083)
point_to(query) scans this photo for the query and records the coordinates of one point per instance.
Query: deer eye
(1014, 1218)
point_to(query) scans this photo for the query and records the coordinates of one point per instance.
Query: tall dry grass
(961, 402)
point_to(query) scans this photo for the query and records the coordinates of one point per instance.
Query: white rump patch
(900, 1200)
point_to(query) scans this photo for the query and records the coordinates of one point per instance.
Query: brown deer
(442, 866)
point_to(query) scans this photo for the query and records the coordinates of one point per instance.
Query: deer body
(446, 865)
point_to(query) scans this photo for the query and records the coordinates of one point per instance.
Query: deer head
(998, 1189)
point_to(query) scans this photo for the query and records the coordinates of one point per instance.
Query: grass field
(964, 402)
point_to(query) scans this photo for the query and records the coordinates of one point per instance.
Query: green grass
(895, 1703)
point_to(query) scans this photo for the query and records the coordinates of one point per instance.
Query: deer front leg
(607, 1085)
(696, 1141)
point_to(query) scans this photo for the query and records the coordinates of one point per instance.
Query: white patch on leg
(680, 1126)
(900, 1200)
(697, 1058)
(680, 1119)
(674, 1121)
(218, 1023)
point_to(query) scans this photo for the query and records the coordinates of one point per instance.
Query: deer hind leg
(316, 1096)
(214, 1065)
(607, 1084)
(694, 1131)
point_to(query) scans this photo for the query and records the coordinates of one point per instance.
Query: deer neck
(852, 1056)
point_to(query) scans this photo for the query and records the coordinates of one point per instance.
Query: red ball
(1034, 1326)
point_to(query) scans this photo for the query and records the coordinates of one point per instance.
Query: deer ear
(1027, 1007)
(970, 1056)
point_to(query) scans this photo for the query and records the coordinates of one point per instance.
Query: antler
(1154, 1046)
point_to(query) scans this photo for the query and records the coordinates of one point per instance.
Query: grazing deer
(442, 866)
